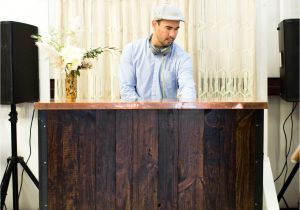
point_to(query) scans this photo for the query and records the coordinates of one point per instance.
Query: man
(155, 67)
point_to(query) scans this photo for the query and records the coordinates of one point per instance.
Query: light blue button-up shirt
(145, 76)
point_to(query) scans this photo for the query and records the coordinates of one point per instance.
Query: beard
(162, 41)
(167, 42)
(170, 41)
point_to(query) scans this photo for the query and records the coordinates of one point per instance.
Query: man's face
(165, 32)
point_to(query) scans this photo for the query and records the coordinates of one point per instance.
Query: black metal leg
(288, 181)
(12, 170)
(5, 183)
(28, 171)
(13, 161)
(15, 185)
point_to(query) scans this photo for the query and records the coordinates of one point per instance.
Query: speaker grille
(19, 63)
(289, 49)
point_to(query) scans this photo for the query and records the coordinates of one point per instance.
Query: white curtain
(218, 34)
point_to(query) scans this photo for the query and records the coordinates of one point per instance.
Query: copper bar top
(162, 104)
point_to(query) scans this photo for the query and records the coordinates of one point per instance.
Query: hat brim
(169, 18)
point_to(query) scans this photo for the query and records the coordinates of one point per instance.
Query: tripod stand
(12, 168)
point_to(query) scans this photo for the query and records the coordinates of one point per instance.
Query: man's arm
(127, 76)
(186, 90)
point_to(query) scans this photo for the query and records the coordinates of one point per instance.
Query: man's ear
(154, 23)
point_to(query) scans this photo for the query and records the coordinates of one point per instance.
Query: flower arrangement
(67, 55)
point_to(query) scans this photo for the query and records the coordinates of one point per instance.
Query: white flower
(51, 53)
(47, 49)
(62, 50)
(72, 57)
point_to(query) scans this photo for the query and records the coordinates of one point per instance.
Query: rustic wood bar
(114, 155)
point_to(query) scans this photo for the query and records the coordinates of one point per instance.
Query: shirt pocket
(171, 79)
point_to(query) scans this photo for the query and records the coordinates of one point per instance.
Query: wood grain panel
(167, 155)
(245, 156)
(220, 159)
(86, 159)
(72, 155)
(190, 160)
(145, 160)
(105, 160)
(55, 160)
(227, 175)
(214, 122)
(70, 183)
(153, 159)
(124, 143)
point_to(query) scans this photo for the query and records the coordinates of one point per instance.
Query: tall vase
(71, 86)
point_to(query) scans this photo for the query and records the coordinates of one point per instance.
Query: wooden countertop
(164, 104)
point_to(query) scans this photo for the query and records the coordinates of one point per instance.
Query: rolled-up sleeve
(186, 89)
(127, 76)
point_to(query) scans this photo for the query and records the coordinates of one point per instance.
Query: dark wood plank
(227, 175)
(167, 155)
(71, 160)
(245, 157)
(154, 159)
(220, 160)
(105, 159)
(190, 160)
(214, 122)
(86, 159)
(124, 143)
(69, 137)
(145, 159)
(55, 161)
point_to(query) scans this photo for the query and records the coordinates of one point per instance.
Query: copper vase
(71, 86)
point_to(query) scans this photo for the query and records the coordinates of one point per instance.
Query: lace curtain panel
(218, 34)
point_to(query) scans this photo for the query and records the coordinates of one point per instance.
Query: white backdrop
(219, 35)
(33, 12)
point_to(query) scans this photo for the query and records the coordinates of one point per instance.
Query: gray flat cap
(167, 12)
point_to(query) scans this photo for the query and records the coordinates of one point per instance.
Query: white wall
(269, 14)
(278, 111)
(278, 108)
(34, 12)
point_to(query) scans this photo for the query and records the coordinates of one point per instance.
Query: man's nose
(173, 33)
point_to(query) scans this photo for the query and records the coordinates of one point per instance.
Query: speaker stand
(12, 168)
(288, 181)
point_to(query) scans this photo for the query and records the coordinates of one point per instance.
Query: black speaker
(289, 48)
(19, 73)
